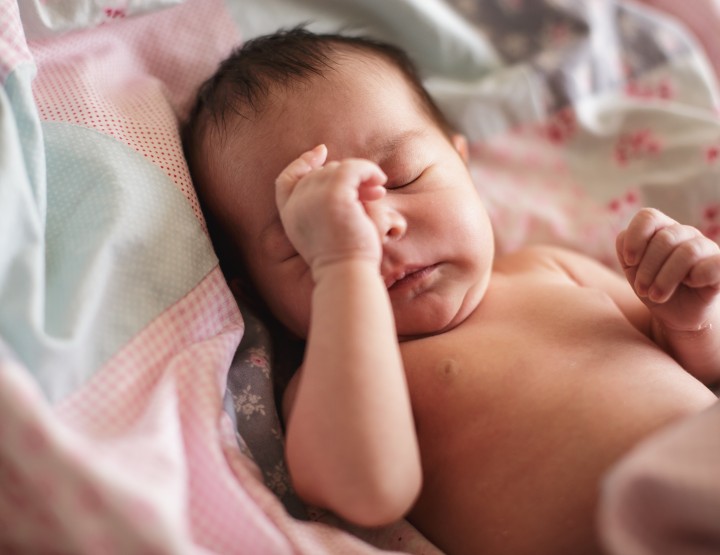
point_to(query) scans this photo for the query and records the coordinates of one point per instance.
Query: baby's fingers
(296, 170)
(678, 267)
(667, 259)
(641, 229)
(705, 273)
(359, 178)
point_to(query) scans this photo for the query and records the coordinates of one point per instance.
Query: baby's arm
(675, 271)
(351, 444)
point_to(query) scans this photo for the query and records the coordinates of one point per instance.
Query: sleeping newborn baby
(481, 397)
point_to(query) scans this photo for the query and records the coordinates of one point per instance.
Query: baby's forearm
(696, 351)
(351, 444)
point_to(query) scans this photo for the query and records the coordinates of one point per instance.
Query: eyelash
(403, 185)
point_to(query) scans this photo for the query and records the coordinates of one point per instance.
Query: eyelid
(404, 183)
(294, 254)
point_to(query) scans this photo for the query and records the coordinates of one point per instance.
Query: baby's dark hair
(244, 80)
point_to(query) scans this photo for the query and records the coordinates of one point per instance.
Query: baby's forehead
(291, 110)
(358, 65)
(348, 68)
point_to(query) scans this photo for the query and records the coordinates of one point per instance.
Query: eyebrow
(383, 152)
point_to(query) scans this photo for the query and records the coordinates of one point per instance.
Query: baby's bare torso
(523, 407)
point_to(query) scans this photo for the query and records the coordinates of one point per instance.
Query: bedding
(136, 404)
(664, 497)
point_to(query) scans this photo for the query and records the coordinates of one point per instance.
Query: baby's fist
(322, 208)
(673, 268)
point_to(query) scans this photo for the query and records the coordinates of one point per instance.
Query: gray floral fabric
(250, 402)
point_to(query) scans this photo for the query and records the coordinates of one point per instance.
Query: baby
(484, 398)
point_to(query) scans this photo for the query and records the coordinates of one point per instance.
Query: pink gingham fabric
(12, 39)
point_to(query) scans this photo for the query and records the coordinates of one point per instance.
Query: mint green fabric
(96, 242)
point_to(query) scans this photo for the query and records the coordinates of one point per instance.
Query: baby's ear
(460, 143)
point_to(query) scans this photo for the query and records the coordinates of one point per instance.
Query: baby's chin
(434, 316)
(410, 333)
(431, 324)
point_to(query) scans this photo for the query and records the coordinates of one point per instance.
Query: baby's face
(362, 109)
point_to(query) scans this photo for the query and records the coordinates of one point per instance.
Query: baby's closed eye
(403, 181)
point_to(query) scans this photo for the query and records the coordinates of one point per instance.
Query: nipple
(448, 369)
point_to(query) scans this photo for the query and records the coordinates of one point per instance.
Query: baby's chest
(533, 347)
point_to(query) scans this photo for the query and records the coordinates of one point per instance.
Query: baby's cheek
(277, 245)
(299, 302)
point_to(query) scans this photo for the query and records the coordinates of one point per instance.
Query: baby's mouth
(408, 277)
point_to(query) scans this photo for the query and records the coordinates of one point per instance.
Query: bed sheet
(136, 410)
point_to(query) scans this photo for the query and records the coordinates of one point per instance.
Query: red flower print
(560, 128)
(712, 153)
(711, 221)
(636, 146)
(662, 89)
(627, 203)
(115, 13)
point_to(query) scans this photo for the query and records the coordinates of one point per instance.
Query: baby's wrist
(667, 330)
(674, 340)
(342, 268)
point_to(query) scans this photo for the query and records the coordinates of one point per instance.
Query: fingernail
(313, 152)
(630, 259)
(641, 289)
(315, 155)
(655, 293)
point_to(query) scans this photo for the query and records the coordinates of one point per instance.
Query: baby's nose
(396, 226)
(390, 223)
